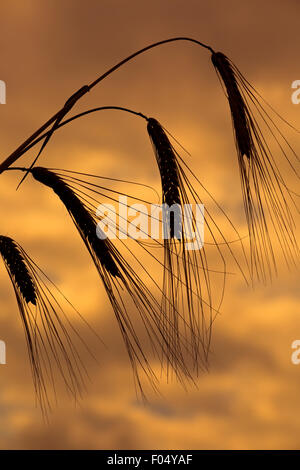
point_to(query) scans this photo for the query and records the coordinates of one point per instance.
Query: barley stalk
(80, 93)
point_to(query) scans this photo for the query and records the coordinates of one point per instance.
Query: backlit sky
(49, 49)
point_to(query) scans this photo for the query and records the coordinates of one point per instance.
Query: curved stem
(147, 48)
(77, 116)
(81, 92)
(16, 168)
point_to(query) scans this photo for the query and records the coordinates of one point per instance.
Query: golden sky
(49, 49)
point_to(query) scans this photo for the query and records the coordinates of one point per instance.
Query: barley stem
(77, 116)
(80, 93)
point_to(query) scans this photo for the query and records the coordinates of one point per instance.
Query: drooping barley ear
(187, 273)
(50, 336)
(267, 198)
(17, 269)
(237, 105)
(119, 280)
(166, 160)
(82, 218)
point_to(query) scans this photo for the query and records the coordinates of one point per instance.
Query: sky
(249, 398)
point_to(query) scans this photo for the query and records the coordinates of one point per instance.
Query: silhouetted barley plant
(183, 266)
(176, 313)
(118, 276)
(265, 194)
(187, 284)
(52, 339)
